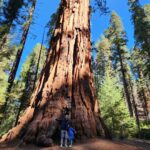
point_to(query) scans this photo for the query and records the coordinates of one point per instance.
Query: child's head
(70, 124)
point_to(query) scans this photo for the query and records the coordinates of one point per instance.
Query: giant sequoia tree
(66, 80)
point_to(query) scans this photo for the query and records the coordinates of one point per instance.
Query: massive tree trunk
(66, 80)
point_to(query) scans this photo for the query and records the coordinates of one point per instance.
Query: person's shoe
(70, 145)
(66, 145)
(61, 145)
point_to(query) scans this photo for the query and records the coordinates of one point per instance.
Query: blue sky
(99, 23)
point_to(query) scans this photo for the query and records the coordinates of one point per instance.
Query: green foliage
(3, 83)
(144, 132)
(22, 87)
(1, 1)
(52, 23)
(112, 60)
(28, 72)
(12, 108)
(10, 13)
(31, 62)
(6, 58)
(113, 108)
(11, 114)
(141, 21)
(103, 59)
(7, 124)
(11, 10)
(140, 54)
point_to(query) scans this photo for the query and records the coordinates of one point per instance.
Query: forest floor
(96, 144)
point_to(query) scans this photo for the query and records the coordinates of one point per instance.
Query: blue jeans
(64, 137)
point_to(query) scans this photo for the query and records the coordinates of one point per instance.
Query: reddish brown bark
(67, 77)
(144, 96)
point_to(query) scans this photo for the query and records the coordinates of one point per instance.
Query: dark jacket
(64, 123)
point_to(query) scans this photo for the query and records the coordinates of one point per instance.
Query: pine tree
(110, 92)
(141, 21)
(15, 65)
(6, 58)
(22, 44)
(28, 76)
(141, 84)
(113, 107)
(52, 24)
(10, 13)
(116, 34)
(13, 107)
(22, 88)
(104, 56)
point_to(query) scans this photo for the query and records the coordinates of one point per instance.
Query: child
(71, 135)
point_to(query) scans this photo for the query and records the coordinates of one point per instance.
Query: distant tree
(113, 107)
(117, 36)
(52, 24)
(103, 59)
(6, 58)
(22, 87)
(10, 13)
(141, 21)
(29, 75)
(12, 108)
(141, 53)
(22, 44)
(110, 91)
(15, 65)
(142, 83)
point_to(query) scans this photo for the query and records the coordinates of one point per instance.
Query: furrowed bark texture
(66, 80)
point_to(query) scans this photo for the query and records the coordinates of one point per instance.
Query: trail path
(97, 144)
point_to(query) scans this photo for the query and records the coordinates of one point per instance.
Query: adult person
(64, 125)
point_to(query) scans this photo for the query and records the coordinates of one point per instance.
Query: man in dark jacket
(64, 124)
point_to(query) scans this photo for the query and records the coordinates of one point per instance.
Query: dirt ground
(97, 144)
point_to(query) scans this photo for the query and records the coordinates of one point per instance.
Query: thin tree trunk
(3, 42)
(23, 98)
(4, 37)
(22, 43)
(38, 62)
(125, 83)
(67, 76)
(134, 105)
(18, 113)
(144, 98)
(18, 55)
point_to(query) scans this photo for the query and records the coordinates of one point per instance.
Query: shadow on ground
(96, 144)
